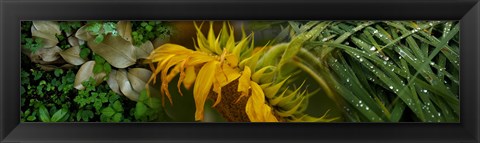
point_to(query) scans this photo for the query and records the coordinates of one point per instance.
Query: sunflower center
(231, 110)
(231, 107)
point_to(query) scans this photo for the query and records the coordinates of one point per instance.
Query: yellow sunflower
(243, 84)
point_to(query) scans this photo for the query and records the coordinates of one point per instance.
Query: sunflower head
(243, 80)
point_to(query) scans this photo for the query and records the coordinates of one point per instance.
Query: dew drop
(391, 87)
(373, 48)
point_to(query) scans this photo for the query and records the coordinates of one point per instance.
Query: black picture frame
(13, 11)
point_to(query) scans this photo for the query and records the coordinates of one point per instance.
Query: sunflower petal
(239, 47)
(221, 76)
(204, 82)
(307, 118)
(274, 101)
(252, 60)
(231, 73)
(259, 74)
(230, 42)
(201, 40)
(244, 81)
(197, 58)
(218, 89)
(271, 91)
(190, 76)
(232, 60)
(168, 76)
(290, 111)
(256, 109)
(169, 48)
(212, 41)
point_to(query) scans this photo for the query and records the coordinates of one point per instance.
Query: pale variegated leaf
(46, 30)
(85, 72)
(73, 41)
(125, 85)
(144, 50)
(49, 54)
(138, 77)
(124, 29)
(115, 50)
(83, 34)
(72, 55)
(112, 82)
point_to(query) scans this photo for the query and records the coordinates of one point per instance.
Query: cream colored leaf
(47, 67)
(124, 29)
(138, 77)
(115, 50)
(85, 72)
(72, 55)
(50, 27)
(73, 41)
(48, 39)
(125, 85)
(53, 67)
(112, 82)
(49, 54)
(46, 30)
(144, 50)
(83, 34)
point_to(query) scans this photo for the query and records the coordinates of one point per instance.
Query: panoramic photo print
(240, 71)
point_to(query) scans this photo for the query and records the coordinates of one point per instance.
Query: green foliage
(100, 30)
(101, 102)
(32, 44)
(63, 42)
(149, 109)
(50, 96)
(387, 71)
(143, 31)
(26, 39)
(84, 52)
(46, 101)
(84, 115)
(113, 113)
(70, 26)
(101, 65)
(59, 116)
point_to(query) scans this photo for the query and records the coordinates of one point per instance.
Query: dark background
(13, 11)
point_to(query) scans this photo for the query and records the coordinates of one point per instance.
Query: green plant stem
(319, 79)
